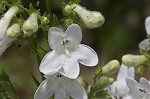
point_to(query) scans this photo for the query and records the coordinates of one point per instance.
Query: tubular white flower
(91, 19)
(5, 21)
(30, 25)
(13, 31)
(134, 60)
(67, 52)
(119, 88)
(61, 87)
(138, 91)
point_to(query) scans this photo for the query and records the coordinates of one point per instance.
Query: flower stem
(48, 6)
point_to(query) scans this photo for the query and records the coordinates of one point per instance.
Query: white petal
(55, 36)
(50, 63)
(45, 90)
(144, 83)
(131, 72)
(147, 96)
(76, 91)
(74, 33)
(61, 94)
(127, 97)
(132, 84)
(147, 25)
(71, 69)
(86, 55)
(122, 74)
(145, 44)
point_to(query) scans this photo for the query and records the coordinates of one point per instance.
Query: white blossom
(119, 88)
(67, 52)
(137, 90)
(61, 87)
(4, 23)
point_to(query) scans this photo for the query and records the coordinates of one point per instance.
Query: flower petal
(122, 74)
(71, 69)
(55, 36)
(86, 55)
(147, 25)
(74, 33)
(145, 44)
(50, 63)
(147, 96)
(132, 84)
(131, 73)
(76, 91)
(61, 94)
(144, 83)
(45, 90)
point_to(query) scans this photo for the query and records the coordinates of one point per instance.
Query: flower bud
(30, 25)
(68, 9)
(111, 67)
(91, 19)
(5, 21)
(134, 60)
(13, 31)
(103, 83)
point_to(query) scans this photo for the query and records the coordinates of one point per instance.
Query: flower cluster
(61, 65)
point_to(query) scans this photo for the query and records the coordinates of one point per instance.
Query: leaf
(55, 20)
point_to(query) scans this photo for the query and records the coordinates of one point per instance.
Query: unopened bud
(68, 9)
(30, 25)
(91, 19)
(103, 83)
(111, 67)
(134, 60)
(13, 31)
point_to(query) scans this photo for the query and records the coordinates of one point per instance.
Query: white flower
(5, 21)
(91, 19)
(138, 91)
(61, 87)
(13, 31)
(119, 88)
(30, 25)
(145, 44)
(67, 52)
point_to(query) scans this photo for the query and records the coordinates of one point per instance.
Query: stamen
(143, 90)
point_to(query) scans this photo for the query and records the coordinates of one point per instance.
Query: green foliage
(6, 87)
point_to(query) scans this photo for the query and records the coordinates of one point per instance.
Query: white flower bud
(133, 60)
(111, 67)
(13, 31)
(5, 21)
(68, 9)
(30, 25)
(91, 19)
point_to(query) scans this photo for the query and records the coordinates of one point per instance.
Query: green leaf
(55, 20)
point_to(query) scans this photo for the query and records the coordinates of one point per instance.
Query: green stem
(34, 48)
(48, 6)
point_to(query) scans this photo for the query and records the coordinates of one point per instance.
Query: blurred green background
(122, 31)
